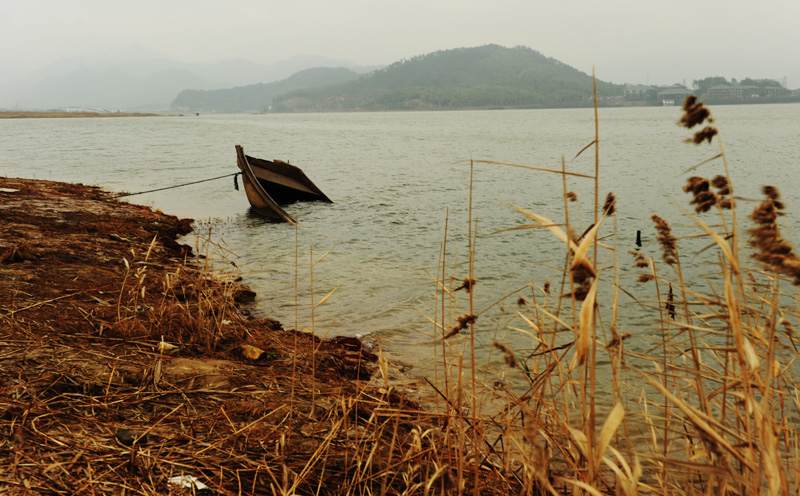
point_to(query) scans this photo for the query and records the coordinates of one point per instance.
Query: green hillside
(256, 97)
(490, 76)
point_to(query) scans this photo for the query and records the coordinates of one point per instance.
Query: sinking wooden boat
(272, 183)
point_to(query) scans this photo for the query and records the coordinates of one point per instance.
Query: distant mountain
(240, 72)
(106, 88)
(489, 76)
(257, 97)
(11, 72)
(135, 79)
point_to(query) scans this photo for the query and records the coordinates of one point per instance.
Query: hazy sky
(636, 41)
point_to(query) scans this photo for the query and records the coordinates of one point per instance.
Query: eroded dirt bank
(123, 365)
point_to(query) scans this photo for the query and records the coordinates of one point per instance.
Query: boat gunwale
(268, 206)
(290, 171)
(257, 191)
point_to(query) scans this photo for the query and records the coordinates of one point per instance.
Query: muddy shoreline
(123, 363)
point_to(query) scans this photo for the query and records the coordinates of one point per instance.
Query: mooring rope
(235, 185)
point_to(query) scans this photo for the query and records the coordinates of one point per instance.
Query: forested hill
(490, 76)
(256, 97)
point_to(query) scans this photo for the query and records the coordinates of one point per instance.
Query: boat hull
(270, 184)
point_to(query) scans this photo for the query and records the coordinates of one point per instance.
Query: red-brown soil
(93, 402)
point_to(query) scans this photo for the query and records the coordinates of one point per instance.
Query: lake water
(398, 179)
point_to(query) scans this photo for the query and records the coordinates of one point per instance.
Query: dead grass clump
(20, 252)
(230, 425)
(120, 376)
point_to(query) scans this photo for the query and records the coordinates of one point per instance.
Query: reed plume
(610, 206)
(771, 248)
(582, 280)
(667, 241)
(508, 354)
(703, 198)
(695, 114)
(640, 261)
(703, 195)
(670, 305)
(467, 284)
(645, 277)
(463, 322)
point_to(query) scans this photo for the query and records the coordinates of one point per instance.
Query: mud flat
(126, 364)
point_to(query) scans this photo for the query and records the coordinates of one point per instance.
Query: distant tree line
(702, 85)
(716, 89)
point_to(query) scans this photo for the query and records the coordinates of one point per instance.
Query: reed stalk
(702, 376)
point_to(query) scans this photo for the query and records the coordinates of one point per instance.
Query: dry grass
(711, 406)
(180, 382)
(708, 406)
(123, 366)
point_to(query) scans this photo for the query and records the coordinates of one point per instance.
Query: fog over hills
(136, 79)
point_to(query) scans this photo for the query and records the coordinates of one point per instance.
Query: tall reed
(710, 406)
(694, 393)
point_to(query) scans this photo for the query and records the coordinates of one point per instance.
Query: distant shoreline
(603, 104)
(58, 115)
